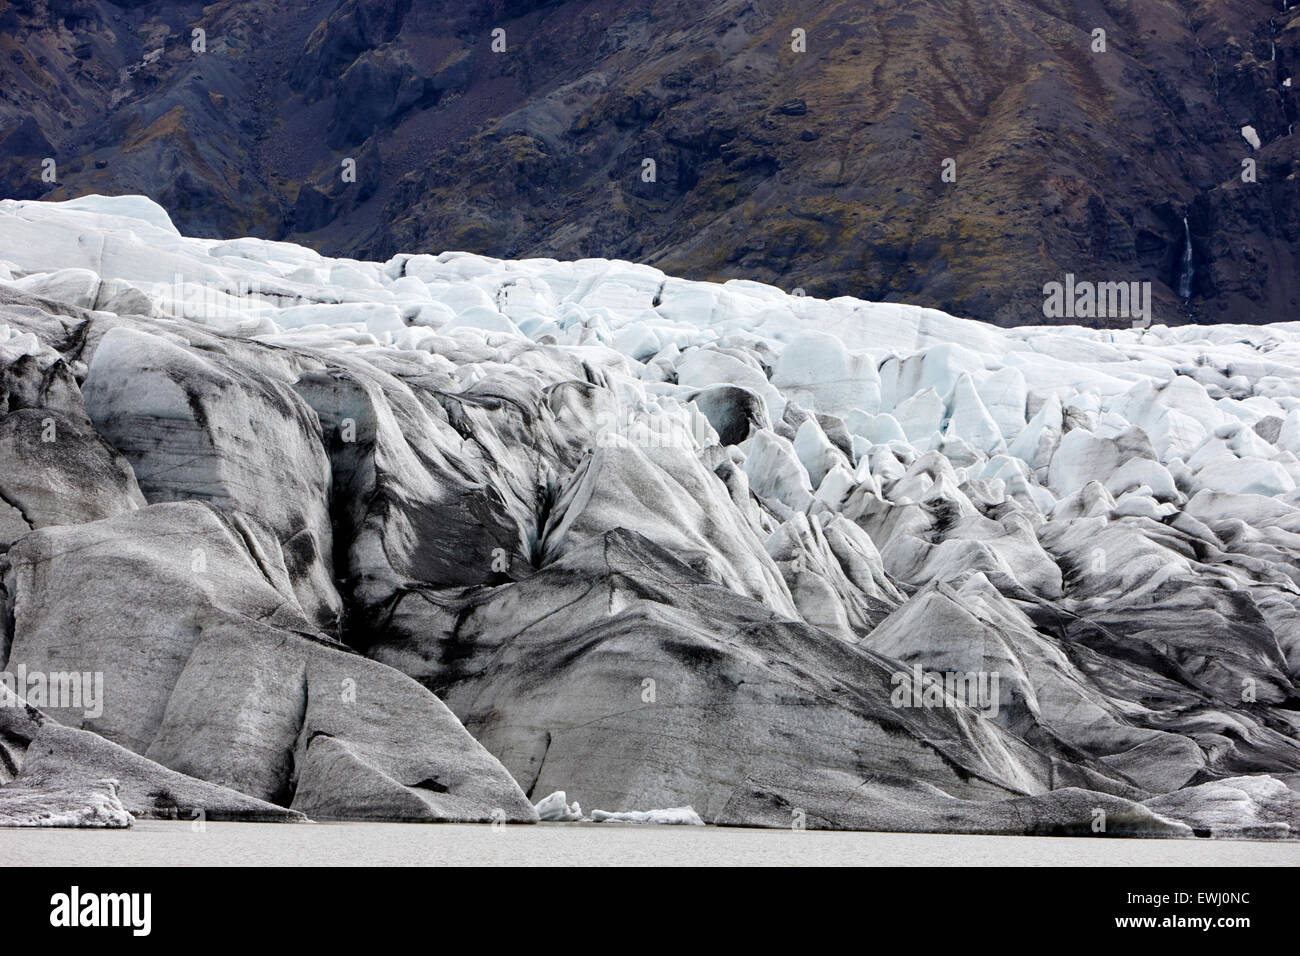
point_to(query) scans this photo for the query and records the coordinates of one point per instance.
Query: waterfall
(1188, 269)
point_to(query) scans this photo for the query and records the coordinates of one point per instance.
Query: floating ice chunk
(554, 808)
(685, 816)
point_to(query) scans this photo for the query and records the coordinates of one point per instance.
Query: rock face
(433, 538)
(950, 156)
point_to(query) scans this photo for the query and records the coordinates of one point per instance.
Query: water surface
(168, 843)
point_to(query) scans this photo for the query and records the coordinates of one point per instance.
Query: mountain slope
(819, 169)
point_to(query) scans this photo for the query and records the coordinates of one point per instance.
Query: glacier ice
(653, 542)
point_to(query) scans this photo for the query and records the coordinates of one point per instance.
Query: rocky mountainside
(821, 169)
(438, 537)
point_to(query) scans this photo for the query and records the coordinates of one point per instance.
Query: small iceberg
(685, 816)
(555, 808)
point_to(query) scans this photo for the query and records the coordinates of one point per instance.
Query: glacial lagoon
(177, 843)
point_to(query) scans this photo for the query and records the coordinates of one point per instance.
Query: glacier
(431, 538)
